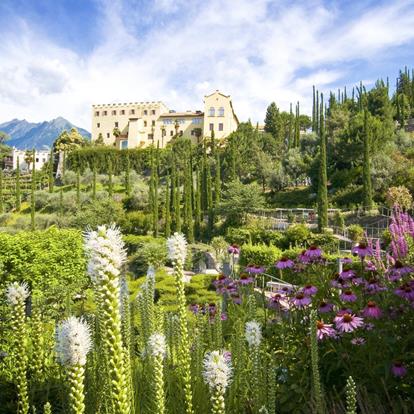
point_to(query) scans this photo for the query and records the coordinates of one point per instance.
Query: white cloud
(241, 48)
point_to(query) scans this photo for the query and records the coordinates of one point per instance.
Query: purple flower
(348, 322)
(373, 286)
(221, 280)
(285, 290)
(370, 266)
(325, 307)
(245, 279)
(346, 260)
(236, 299)
(300, 300)
(347, 273)
(324, 330)
(398, 271)
(234, 249)
(224, 316)
(309, 290)
(195, 308)
(362, 250)
(348, 296)
(284, 263)
(303, 258)
(372, 310)
(405, 291)
(358, 341)
(398, 369)
(254, 269)
(313, 252)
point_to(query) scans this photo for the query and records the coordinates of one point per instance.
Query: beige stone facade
(140, 124)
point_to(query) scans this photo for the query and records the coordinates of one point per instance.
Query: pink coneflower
(398, 271)
(324, 330)
(348, 322)
(313, 252)
(309, 290)
(234, 249)
(221, 280)
(405, 291)
(346, 260)
(303, 258)
(255, 269)
(325, 307)
(224, 316)
(195, 308)
(285, 290)
(370, 266)
(348, 296)
(338, 282)
(245, 279)
(274, 301)
(373, 286)
(347, 273)
(236, 299)
(369, 326)
(300, 300)
(284, 263)
(398, 369)
(362, 250)
(372, 310)
(357, 281)
(358, 341)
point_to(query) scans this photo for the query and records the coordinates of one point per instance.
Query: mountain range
(28, 135)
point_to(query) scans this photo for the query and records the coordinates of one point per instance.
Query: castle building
(140, 124)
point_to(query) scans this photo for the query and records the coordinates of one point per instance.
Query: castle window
(211, 127)
(113, 112)
(153, 123)
(220, 127)
(132, 112)
(181, 133)
(104, 113)
(145, 112)
(171, 133)
(98, 125)
(122, 111)
(97, 113)
(196, 121)
(211, 112)
(116, 125)
(153, 112)
(145, 123)
(221, 111)
(124, 144)
(37, 159)
(107, 135)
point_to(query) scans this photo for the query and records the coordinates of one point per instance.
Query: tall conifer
(18, 195)
(127, 176)
(217, 182)
(367, 185)
(167, 229)
(32, 195)
(110, 172)
(51, 176)
(1, 192)
(323, 179)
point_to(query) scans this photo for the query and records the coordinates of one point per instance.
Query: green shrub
(136, 222)
(259, 254)
(151, 253)
(134, 242)
(348, 196)
(297, 235)
(326, 241)
(356, 232)
(51, 261)
(239, 236)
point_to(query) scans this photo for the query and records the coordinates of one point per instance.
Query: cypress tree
(61, 202)
(217, 182)
(64, 165)
(297, 130)
(32, 195)
(177, 206)
(313, 109)
(51, 177)
(93, 180)
(367, 185)
(173, 194)
(290, 126)
(323, 179)
(317, 113)
(167, 229)
(110, 186)
(188, 210)
(155, 192)
(233, 173)
(78, 187)
(127, 177)
(1, 191)
(210, 207)
(197, 204)
(213, 143)
(18, 195)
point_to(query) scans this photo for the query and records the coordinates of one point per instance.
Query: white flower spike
(177, 247)
(17, 293)
(253, 333)
(73, 341)
(157, 345)
(217, 370)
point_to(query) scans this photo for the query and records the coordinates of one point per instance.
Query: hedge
(47, 260)
(259, 255)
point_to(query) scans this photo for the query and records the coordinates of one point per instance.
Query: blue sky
(57, 57)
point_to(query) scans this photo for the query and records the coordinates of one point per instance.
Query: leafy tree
(167, 230)
(273, 121)
(367, 185)
(239, 199)
(323, 179)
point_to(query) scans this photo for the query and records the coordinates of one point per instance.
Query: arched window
(212, 112)
(221, 111)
